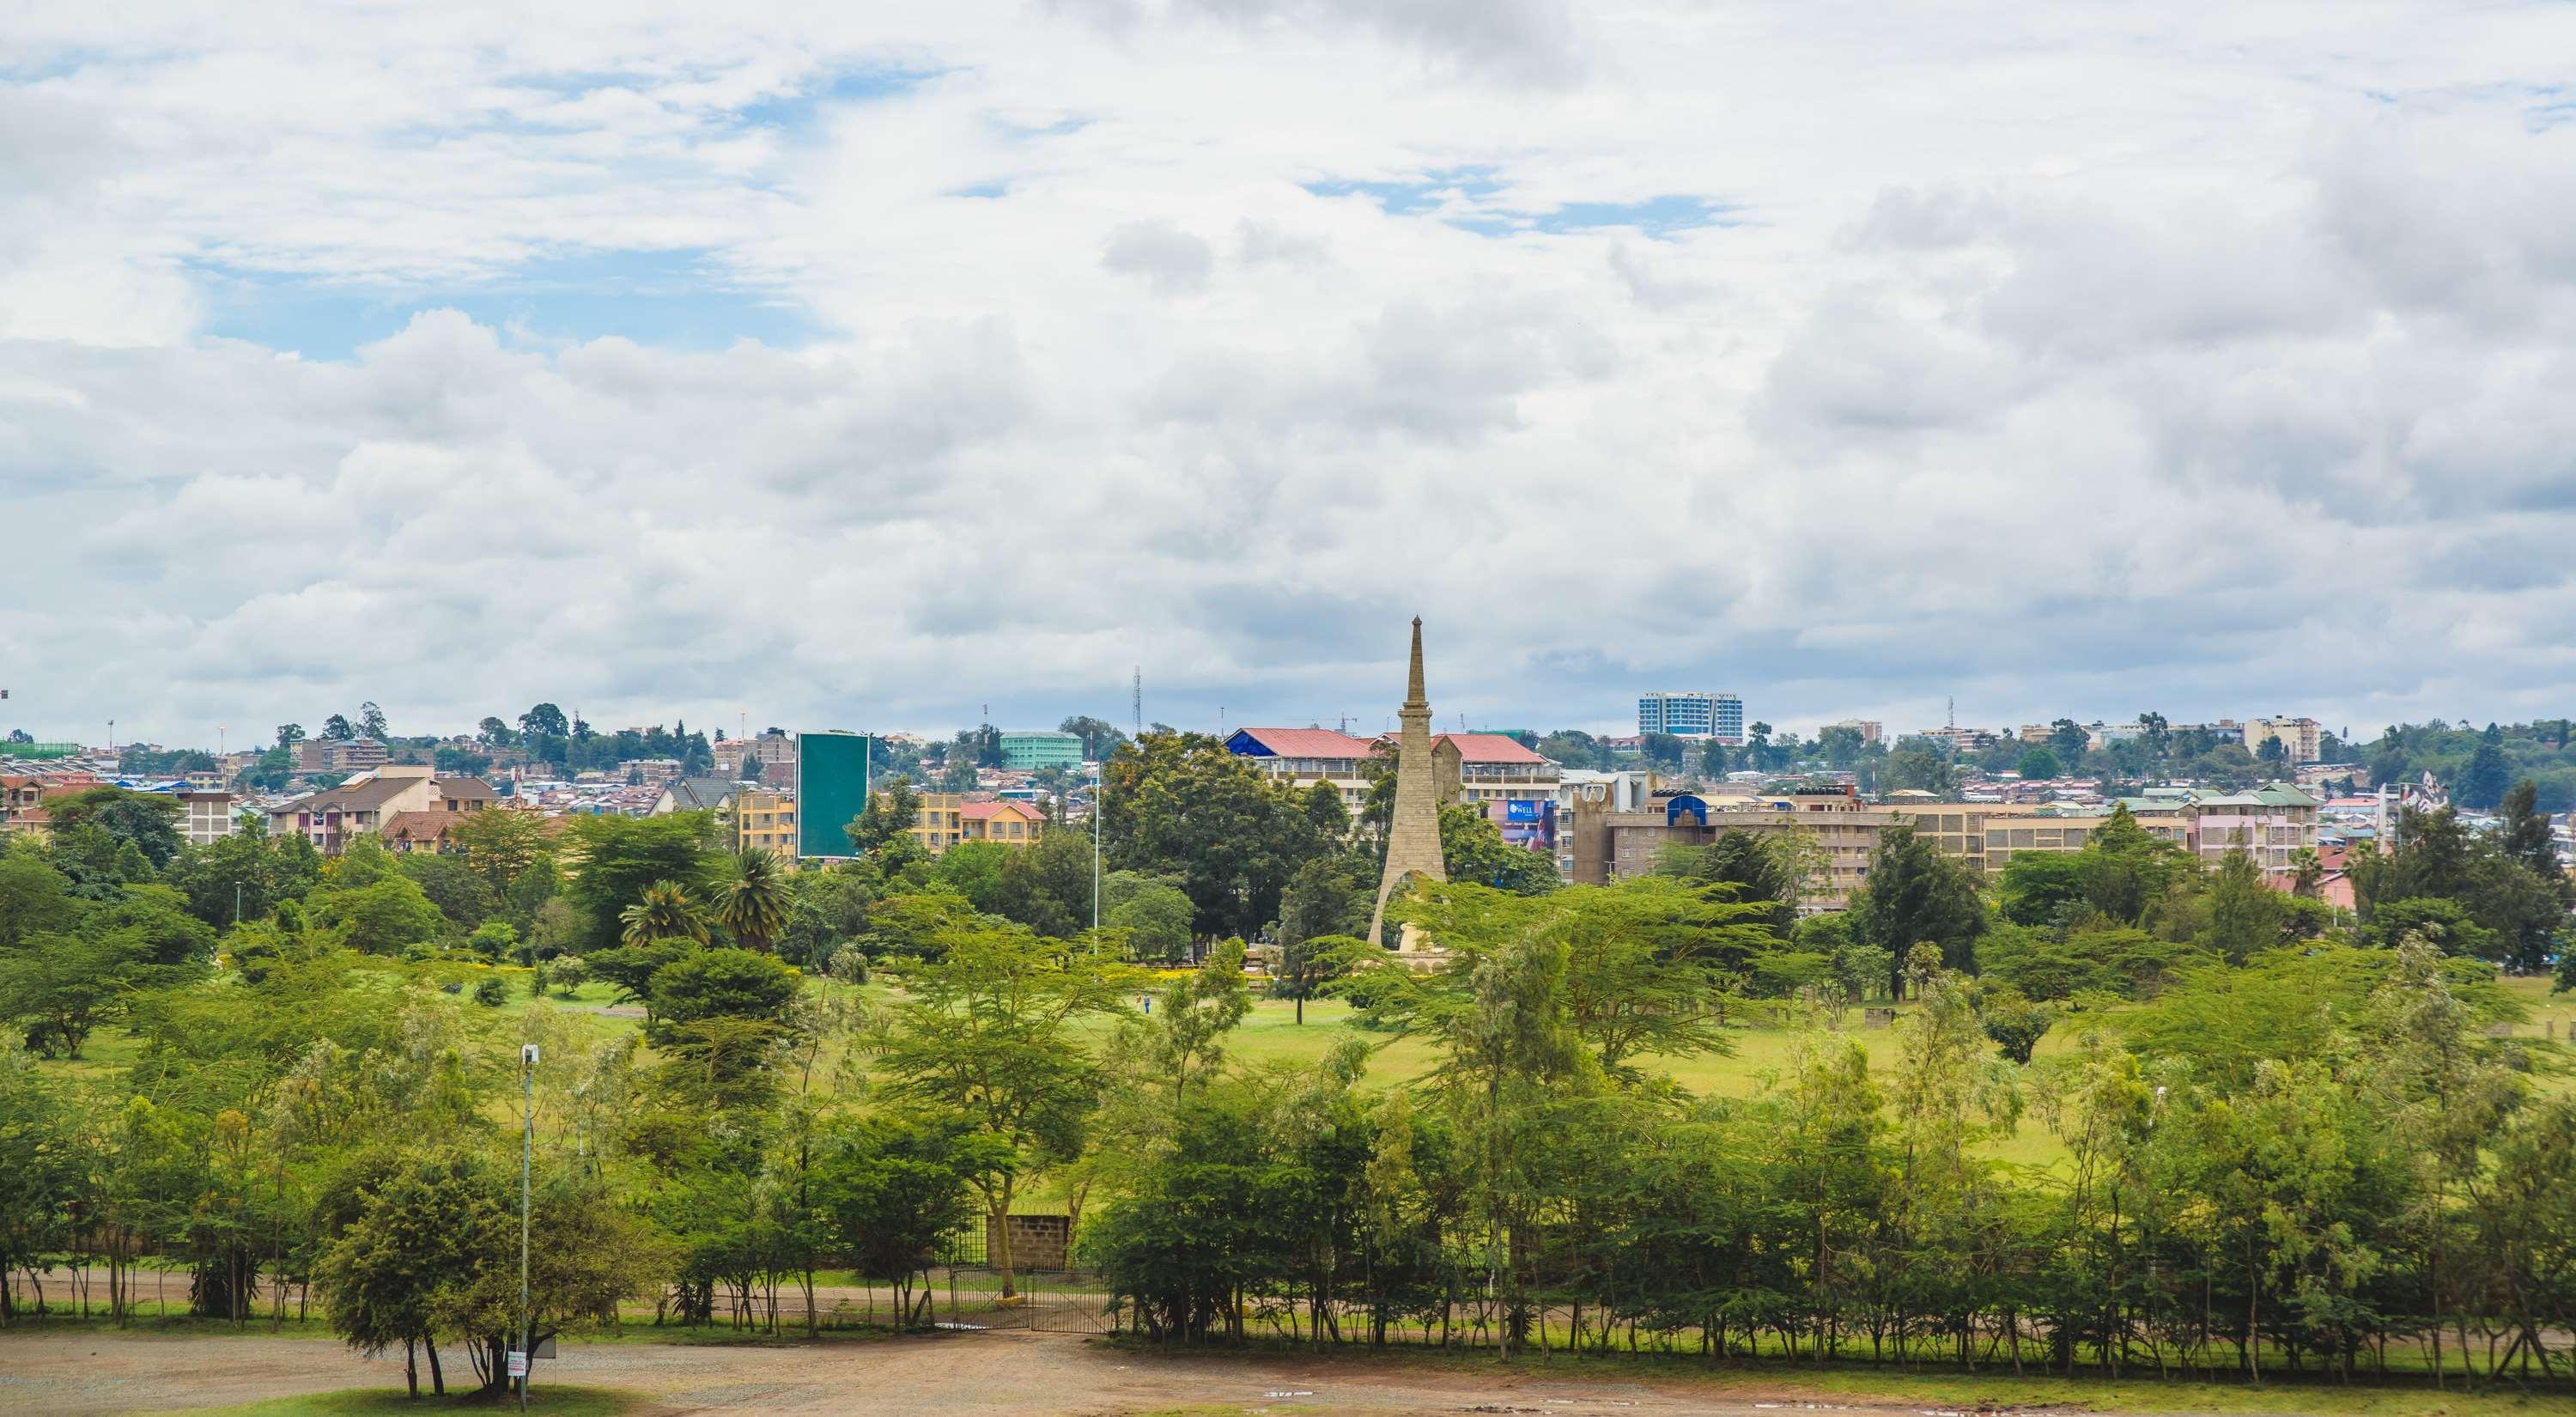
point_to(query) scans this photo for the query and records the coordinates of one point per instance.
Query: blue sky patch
(1472, 199)
(1437, 188)
(797, 110)
(1655, 216)
(667, 299)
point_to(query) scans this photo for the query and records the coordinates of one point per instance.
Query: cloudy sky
(865, 365)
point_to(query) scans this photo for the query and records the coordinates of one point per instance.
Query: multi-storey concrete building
(774, 751)
(2272, 824)
(940, 821)
(1008, 822)
(766, 820)
(1041, 750)
(1469, 767)
(1306, 756)
(206, 815)
(340, 755)
(2300, 737)
(1692, 715)
(1600, 844)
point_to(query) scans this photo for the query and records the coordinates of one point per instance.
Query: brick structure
(1038, 1242)
(1413, 838)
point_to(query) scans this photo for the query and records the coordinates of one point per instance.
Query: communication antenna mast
(1136, 700)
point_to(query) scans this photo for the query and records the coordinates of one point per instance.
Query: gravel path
(93, 1374)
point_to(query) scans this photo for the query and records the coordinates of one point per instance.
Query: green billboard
(831, 788)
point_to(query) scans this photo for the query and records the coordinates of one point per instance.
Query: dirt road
(93, 1374)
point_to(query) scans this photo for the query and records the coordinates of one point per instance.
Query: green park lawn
(1763, 1045)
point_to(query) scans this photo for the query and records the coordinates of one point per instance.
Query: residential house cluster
(406, 807)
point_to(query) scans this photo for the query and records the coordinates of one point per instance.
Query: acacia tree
(1184, 1036)
(1649, 964)
(989, 1035)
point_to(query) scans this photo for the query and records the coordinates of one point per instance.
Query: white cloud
(2089, 364)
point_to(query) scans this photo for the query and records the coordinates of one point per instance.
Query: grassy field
(1762, 1046)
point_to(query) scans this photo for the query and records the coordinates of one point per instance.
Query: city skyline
(1041, 719)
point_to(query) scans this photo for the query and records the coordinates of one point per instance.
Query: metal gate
(1058, 1294)
(1042, 1301)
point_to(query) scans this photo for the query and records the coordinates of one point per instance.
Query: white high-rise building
(1692, 715)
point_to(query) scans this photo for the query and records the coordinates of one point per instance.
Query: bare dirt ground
(94, 1374)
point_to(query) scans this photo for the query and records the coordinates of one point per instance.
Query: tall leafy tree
(2244, 913)
(618, 857)
(1099, 739)
(545, 721)
(1179, 804)
(1917, 896)
(885, 824)
(147, 821)
(2069, 741)
(1328, 900)
(2482, 784)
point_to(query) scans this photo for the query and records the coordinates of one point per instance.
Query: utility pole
(1097, 778)
(527, 1151)
(237, 904)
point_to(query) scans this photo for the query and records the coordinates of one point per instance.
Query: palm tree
(665, 913)
(752, 902)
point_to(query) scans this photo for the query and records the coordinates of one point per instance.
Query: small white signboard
(518, 1364)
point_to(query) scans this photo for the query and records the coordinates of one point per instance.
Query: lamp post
(527, 1151)
(1096, 773)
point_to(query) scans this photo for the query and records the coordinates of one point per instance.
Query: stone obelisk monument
(1413, 838)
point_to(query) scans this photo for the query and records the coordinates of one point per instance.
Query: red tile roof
(1310, 742)
(1478, 747)
(419, 826)
(1491, 748)
(986, 811)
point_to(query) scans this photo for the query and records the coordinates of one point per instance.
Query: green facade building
(1041, 750)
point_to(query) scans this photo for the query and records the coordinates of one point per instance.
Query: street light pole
(1096, 773)
(527, 1150)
